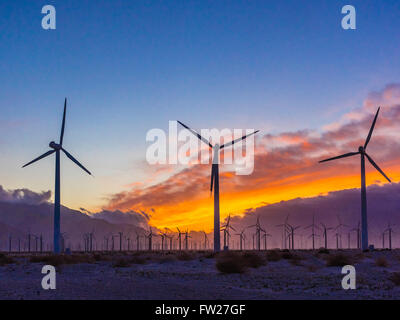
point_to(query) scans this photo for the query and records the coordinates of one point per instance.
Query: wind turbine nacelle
(54, 145)
(361, 149)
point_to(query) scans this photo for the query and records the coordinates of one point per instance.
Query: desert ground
(273, 274)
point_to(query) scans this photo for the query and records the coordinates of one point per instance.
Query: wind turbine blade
(376, 167)
(76, 161)
(341, 156)
(196, 134)
(38, 158)
(63, 123)
(238, 140)
(372, 129)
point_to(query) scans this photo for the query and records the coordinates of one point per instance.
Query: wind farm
(220, 157)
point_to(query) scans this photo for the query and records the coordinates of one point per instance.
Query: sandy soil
(310, 278)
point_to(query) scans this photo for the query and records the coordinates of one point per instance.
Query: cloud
(286, 167)
(138, 219)
(24, 196)
(383, 206)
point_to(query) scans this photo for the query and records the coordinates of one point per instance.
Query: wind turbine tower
(57, 148)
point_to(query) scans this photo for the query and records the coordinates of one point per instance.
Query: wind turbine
(313, 226)
(180, 238)
(163, 236)
(225, 228)
(284, 232)
(205, 240)
(120, 240)
(265, 235)
(357, 229)
(339, 234)
(242, 238)
(215, 178)
(258, 232)
(137, 241)
(150, 237)
(187, 239)
(383, 240)
(389, 230)
(56, 148)
(325, 234)
(362, 152)
(291, 231)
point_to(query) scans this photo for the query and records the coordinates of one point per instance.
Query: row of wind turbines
(57, 148)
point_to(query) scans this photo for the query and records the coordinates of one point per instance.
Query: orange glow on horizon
(197, 214)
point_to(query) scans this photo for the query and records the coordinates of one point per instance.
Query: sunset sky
(286, 68)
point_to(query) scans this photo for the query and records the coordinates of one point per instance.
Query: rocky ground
(278, 275)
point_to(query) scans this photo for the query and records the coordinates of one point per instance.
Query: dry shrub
(167, 258)
(286, 254)
(360, 256)
(253, 260)
(338, 260)
(323, 251)
(381, 262)
(136, 259)
(121, 263)
(274, 255)
(209, 255)
(185, 256)
(101, 257)
(395, 278)
(235, 262)
(312, 268)
(57, 260)
(230, 262)
(4, 260)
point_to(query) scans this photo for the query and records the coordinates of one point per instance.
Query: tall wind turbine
(215, 178)
(56, 148)
(362, 152)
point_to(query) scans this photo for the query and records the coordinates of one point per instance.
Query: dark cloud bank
(24, 211)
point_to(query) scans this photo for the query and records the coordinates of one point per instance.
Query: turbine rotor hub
(361, 149)
(54, 146)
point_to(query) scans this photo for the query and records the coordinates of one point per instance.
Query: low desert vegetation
(381, 262)
(185, 256)
(235, 262)
(122, 263)
(395, 278)
(338, 260)
(61, 259)
(274, 255)
(323, 251)
(4, 260)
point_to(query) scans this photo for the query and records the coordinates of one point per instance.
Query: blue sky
(130, 66)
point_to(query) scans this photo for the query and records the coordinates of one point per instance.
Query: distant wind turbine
(259, 229)
(225, 228)
(56, 148)
(389, 230)
(313, 226)
(242, 237)
(325, 234)
(362, 152)
(215, 178)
